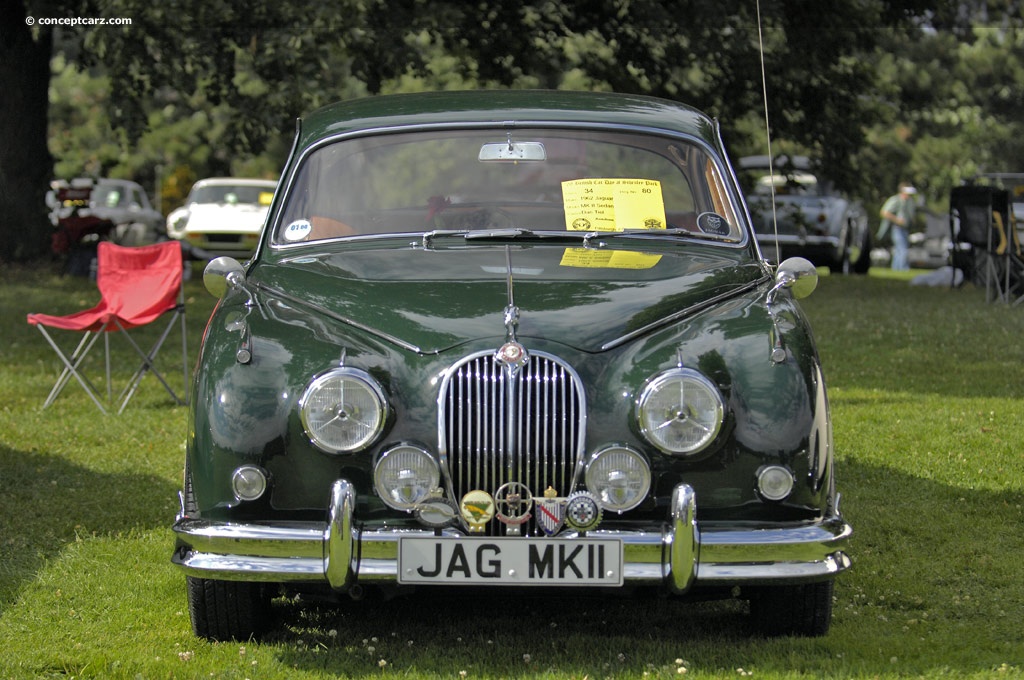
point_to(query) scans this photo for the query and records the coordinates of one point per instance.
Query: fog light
(774, 482)
(248, 483)
(404, 476)
(619, 476)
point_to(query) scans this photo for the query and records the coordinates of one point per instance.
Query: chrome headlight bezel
(368, 418)
(417, 461)
(620, 476)
(657, 420)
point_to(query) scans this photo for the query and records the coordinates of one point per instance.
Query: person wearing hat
(898, 215)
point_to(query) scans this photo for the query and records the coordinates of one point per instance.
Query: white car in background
(223, 215)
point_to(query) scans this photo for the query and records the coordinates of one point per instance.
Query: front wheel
(228, 610)
(804, 610)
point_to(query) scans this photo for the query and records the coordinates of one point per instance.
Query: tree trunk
(25, 161)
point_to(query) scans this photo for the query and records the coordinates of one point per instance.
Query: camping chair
(1006, 224)
(983, 235)
(137, 287)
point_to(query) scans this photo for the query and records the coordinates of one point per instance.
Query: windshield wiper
(658, 233)
(589, 239)
(511, 234)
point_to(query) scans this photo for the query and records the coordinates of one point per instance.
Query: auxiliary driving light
(619, 476)
(404, 476)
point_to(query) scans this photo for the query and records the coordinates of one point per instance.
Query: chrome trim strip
(319, 309)
(770, 573)
(684, 313)
(250, 568)
(682, 556)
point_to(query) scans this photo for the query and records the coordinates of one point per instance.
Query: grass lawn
(927, 394)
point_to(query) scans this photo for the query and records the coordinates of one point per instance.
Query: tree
(25, 160)
(259, 64)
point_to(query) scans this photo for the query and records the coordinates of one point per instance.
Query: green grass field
(927, 394)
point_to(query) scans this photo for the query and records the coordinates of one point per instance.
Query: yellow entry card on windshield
(613, 204)
(607, 259)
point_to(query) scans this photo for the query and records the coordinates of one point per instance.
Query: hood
(433, 300)
(242, 217)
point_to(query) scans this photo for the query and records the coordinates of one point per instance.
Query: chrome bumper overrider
(681, 555)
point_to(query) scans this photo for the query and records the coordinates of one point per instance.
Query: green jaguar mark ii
(509, 339)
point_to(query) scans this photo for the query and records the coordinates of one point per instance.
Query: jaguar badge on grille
(512, 354)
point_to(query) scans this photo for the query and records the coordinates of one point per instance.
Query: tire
(842, 264)
(225, 610)
(803, 610)
(228, 610)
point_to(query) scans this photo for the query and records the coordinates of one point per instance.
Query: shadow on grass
(444, 632)
(47, 503)
(934, 569)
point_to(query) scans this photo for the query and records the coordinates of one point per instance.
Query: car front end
(588, 379)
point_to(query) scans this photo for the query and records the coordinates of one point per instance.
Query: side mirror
(798, 275)
(223, 274)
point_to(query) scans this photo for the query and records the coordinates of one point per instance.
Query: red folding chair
(137, 286)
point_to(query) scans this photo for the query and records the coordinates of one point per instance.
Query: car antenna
(768, 132)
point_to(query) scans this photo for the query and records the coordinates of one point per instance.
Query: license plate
(477, 560)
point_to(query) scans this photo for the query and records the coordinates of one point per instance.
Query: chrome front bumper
(680, 556)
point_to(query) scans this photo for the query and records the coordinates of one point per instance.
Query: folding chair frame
(72, 364)
(993, 261)
(139, 287)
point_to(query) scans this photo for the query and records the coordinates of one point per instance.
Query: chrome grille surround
(499, 423)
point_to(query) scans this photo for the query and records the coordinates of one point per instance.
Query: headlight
(343, 410)
(404, 476)
(620, 477)
(680, 411)
(176, 226)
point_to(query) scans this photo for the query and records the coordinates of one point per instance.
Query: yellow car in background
(223, 215)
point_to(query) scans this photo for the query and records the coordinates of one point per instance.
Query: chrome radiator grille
(499, 425)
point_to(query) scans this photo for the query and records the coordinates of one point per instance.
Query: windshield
(107, 196)
(537, 180)
(233, 194)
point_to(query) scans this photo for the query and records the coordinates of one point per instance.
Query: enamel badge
(550, 512)
(477, 509)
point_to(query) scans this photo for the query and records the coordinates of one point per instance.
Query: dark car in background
(121, 202)
(810, 218)
(509, 340)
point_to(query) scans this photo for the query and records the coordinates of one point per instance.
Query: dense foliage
(879, 90)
